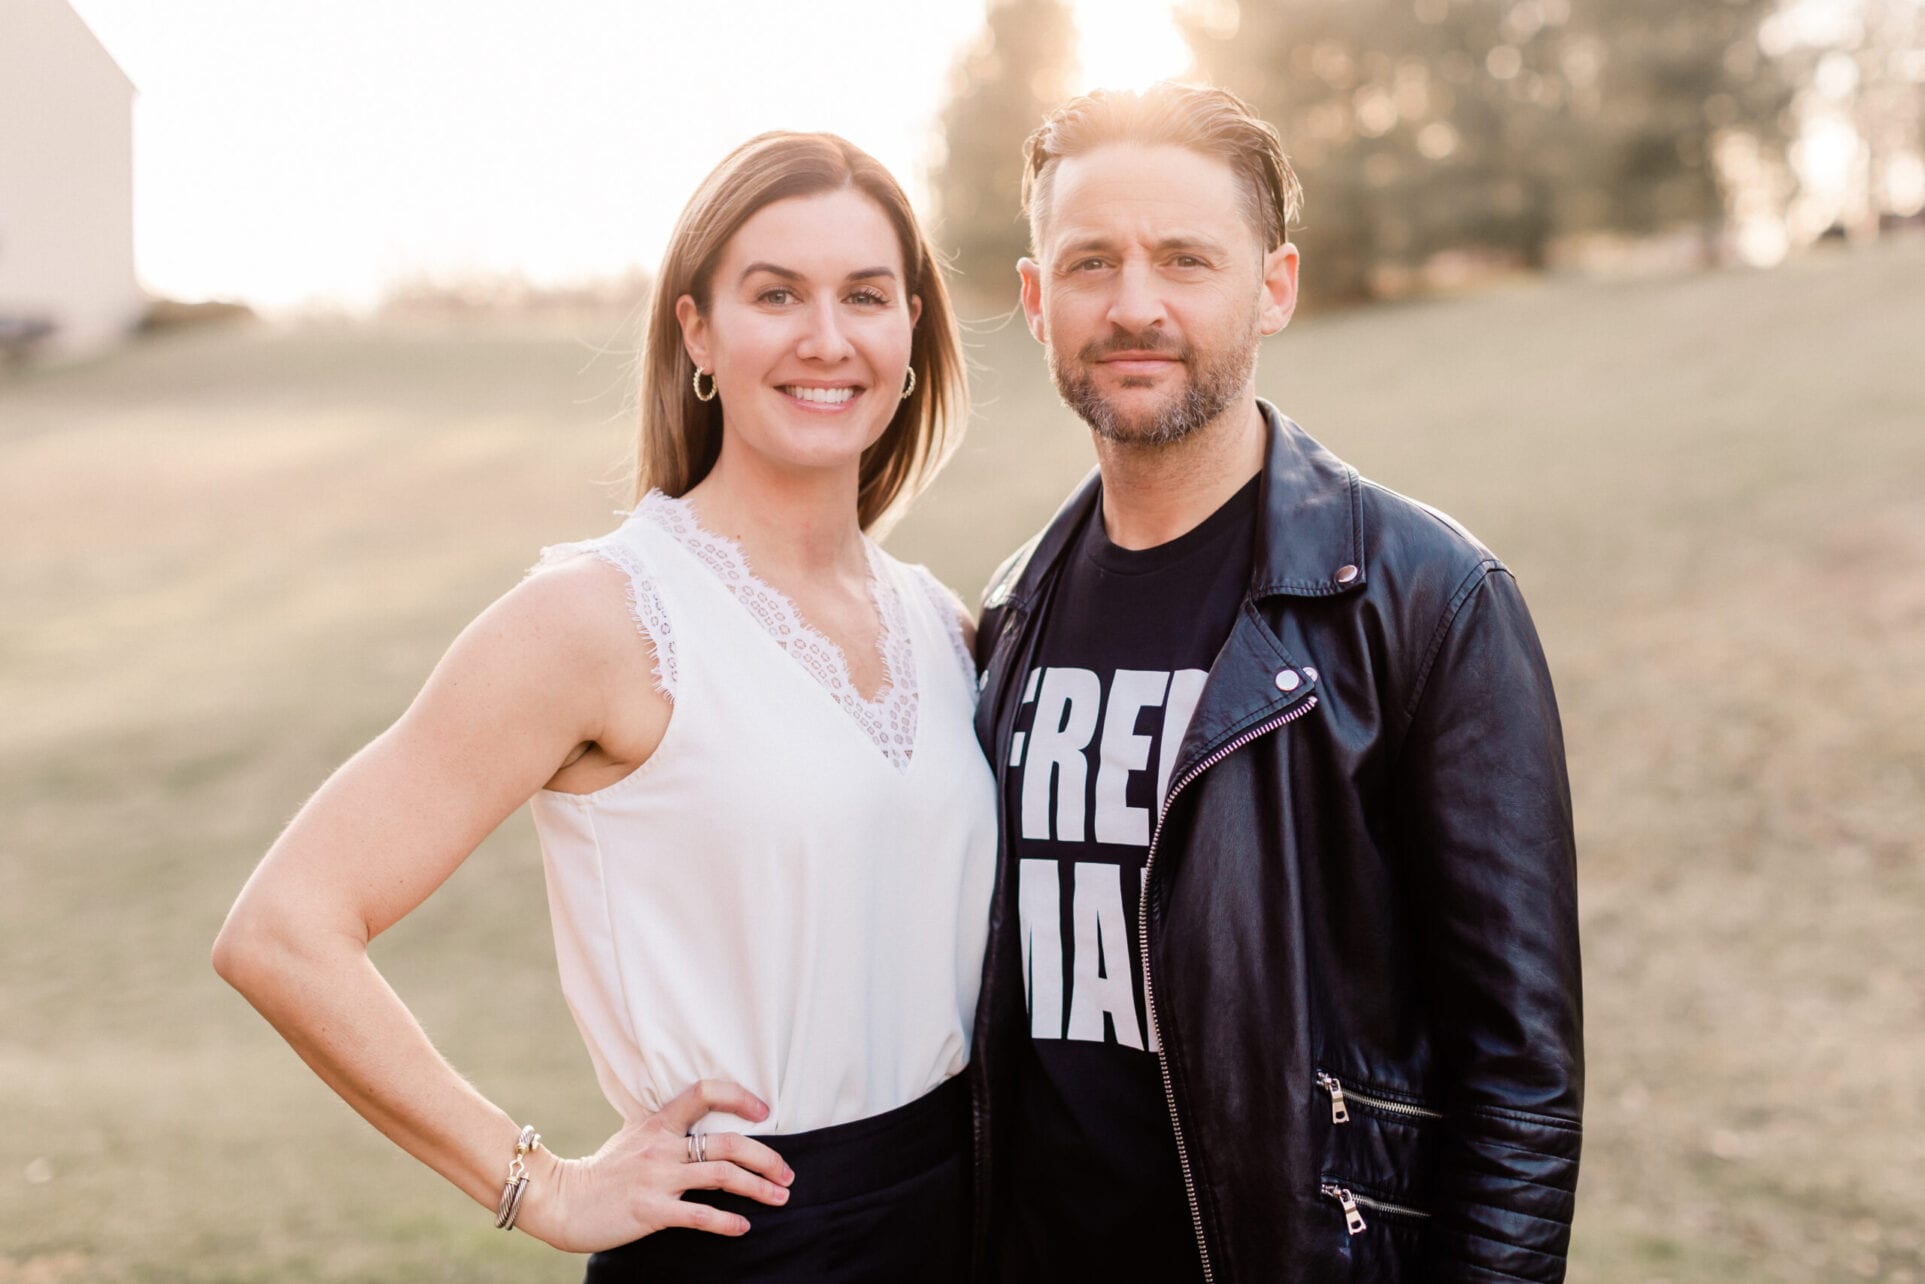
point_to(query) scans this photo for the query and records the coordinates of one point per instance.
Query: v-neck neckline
(890, 717)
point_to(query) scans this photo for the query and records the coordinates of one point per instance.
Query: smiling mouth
(820, 396)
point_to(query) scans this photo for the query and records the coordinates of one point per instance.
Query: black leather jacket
(1362, 883)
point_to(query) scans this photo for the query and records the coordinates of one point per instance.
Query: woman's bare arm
(526, 690)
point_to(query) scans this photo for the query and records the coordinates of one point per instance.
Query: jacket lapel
(1252, 679)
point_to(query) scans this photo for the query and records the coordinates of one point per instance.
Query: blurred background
(317, 322)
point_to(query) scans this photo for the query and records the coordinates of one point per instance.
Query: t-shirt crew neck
(1232, 517)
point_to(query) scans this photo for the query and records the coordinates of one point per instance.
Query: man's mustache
(1153, 341)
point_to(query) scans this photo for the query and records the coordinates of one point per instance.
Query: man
(1282, 979)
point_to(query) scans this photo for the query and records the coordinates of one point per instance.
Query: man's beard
(1212, 386)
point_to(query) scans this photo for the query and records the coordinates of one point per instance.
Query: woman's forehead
(824, 234)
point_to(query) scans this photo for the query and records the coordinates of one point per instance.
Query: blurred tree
(1325, 72)
(1671, 78)
(1507, 147)
(1860, 113)
(1018, 68)
(1425, 125)
(1416, 125)
(1887, 96)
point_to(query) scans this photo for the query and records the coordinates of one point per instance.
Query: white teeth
(827, 396)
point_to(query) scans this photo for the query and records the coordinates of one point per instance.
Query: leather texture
(1364, 870)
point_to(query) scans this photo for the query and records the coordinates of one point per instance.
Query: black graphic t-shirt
(1122, 658)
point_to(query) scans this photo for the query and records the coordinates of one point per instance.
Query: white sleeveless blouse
(793, 891)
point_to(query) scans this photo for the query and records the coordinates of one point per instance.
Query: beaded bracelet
(511, 1193)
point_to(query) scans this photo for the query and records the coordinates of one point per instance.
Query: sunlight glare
(1128, 44)
(327, 153)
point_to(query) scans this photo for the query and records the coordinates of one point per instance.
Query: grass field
(228, 557)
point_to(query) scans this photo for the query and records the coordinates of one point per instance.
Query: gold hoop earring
(697, 381)
(911, 386)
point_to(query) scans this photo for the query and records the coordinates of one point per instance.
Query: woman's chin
(816, 443)
(819, 456)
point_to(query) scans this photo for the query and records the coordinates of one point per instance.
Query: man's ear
(695, 329)
(1279, 288)
(1031, 273)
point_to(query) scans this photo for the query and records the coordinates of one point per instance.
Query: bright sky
(307, 150)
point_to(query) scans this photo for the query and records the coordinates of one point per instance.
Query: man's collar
(1312, 541)
(1310, 544)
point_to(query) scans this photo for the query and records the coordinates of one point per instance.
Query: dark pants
(883, 1199)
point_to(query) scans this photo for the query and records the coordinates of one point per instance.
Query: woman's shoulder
(600, 593)
(576, 599)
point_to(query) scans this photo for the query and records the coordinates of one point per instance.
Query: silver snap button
(1288, 680)
(1346, 573)
(1310, 673)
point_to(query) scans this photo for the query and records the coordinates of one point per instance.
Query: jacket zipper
(1143, 938)
(1350, 1203)
(1340, 1096)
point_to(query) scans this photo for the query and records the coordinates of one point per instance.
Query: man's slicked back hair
(1213, 122)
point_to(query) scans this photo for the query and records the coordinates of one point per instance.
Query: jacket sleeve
(1483, 793)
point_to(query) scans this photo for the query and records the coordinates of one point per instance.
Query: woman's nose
(823, 338)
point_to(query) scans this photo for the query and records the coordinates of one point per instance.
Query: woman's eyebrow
(773, 269)
(790, 274)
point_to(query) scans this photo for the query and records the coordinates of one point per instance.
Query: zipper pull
(1339, 1112)
(1353, 1219)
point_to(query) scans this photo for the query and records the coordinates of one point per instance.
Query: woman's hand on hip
(633, 1185)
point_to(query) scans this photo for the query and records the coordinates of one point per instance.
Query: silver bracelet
(517, 1185)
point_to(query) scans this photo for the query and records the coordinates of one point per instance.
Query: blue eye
(771, 295)
(870, 298)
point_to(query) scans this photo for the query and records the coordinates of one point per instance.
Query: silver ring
(698, 1148)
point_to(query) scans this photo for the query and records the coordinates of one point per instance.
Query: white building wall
(66, 176)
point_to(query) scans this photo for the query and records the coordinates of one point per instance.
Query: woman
(767, 830)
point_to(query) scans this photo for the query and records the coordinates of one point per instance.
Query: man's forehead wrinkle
(1111, 194)
(1106, 194)
(1163, 237)
(1123, 168)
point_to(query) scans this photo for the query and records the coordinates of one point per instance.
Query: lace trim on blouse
(889, 719)
(644, 603)
(948, 608)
